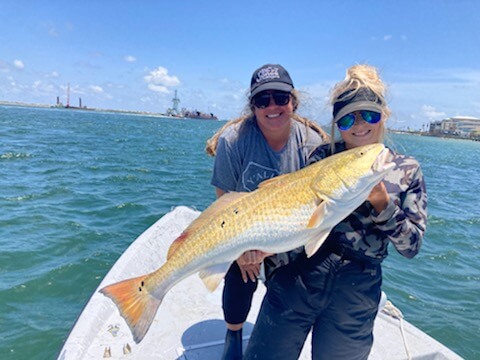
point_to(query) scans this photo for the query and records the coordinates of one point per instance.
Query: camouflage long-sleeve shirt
(402, 222)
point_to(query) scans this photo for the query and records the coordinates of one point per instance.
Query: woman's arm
(404, 224)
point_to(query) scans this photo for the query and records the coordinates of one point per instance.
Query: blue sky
(133, 55)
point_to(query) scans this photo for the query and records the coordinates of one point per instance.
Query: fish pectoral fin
(213, 275)
(314, 244)
(317, 215)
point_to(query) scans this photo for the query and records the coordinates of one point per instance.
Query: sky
(134, 55)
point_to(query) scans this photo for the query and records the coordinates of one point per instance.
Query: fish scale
(285, 212)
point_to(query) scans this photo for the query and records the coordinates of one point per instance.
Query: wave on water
(78, 187)
(14, 156)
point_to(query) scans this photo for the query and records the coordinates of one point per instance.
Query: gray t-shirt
(244, 159)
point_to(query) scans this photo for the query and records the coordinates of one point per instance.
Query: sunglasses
(347, 121)
(261, 101)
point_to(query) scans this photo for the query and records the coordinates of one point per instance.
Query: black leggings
(237, 296)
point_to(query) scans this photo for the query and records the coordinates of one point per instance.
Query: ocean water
(77, 187)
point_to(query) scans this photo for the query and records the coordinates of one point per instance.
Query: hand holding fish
(285, 212)
(379, 197)
(249, 264)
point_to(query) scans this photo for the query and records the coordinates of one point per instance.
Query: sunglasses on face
(261, 101)
(347, 121)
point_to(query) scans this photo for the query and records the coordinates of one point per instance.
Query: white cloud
(467, 76)
(52, 31)
(52, 75)
(4, 66)
(96, 89)
(74, 89)
(158, 80)
(158, 88)
(130, 58)
(38, 88)
(18, 64)
(50, 28)
(431, 113)
(387, 37)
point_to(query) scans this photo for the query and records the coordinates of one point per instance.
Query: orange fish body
(297, 209)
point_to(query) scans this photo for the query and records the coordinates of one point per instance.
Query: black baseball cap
(270, 77)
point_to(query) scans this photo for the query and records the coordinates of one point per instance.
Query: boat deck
(189, 323)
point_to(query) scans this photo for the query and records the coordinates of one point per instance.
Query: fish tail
(136, 305)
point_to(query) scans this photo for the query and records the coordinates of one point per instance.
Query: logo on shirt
(255, 173)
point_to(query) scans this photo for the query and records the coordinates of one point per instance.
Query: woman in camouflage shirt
(336, 292)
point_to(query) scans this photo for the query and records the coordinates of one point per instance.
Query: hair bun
(363, 73)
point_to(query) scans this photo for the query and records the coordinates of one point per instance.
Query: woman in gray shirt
(269, 140)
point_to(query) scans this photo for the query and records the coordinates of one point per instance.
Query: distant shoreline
(129, 112)
(153, 114)
(44, 106)
(424, 133)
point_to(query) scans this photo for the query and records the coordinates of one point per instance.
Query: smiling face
(362, 132)
(274, 119)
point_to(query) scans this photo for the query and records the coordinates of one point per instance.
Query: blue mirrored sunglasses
(262, 100)
(347, 121)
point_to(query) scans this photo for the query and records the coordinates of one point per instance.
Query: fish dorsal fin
(271, 180)
(213, 275)
(176, 244)
(219, 205)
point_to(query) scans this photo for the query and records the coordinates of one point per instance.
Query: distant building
(461, 126)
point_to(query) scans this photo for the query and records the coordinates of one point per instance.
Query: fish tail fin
(136, 305)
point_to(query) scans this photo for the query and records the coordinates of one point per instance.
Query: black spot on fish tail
(222, 224)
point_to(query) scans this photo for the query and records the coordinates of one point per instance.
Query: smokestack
(80, 103)
(68, 95)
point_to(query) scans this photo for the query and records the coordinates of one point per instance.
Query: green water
(76, 188)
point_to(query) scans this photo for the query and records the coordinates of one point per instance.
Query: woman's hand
(249, 263)
(379, 197)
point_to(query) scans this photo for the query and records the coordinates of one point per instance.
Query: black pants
(237, 296)
(335, 298)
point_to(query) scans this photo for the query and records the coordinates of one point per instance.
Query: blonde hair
(358, 77)
(248, 112)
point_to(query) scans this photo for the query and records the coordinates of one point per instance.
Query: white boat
(189, 323)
